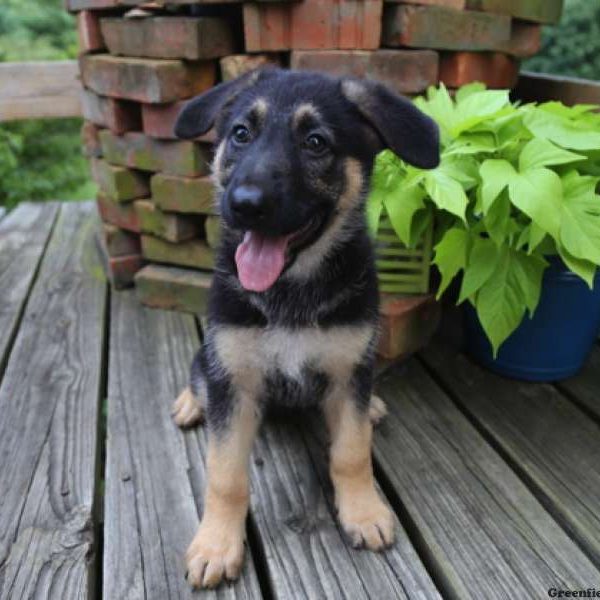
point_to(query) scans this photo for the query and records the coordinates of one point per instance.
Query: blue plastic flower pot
(555, 343)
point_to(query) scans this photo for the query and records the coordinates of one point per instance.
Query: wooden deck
(496, 484)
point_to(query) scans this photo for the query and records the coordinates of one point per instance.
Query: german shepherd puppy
(293, 310)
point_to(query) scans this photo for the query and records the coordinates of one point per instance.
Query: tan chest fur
(248, 354)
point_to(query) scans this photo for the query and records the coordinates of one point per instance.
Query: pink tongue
(260, 260)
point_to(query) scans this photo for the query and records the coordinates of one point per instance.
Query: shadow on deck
(496, 484)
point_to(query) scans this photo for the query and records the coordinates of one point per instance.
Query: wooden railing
(38, 90)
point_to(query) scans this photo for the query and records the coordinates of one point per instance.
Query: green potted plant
(516, 218)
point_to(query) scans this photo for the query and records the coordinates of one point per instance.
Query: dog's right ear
(200, 113)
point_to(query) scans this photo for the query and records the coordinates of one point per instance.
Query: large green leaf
(451, 256)
(373, 210)
(529, 271)
(561, 131)
(500, 306)
(513, 287)
(497, 219)
(481, 264)
(538, 194)
(447, 193)
(543, 153)
(580, 226)
(584, 268)
(495, 174)
(401, 206)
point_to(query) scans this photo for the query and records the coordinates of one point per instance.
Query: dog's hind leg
(188, 409)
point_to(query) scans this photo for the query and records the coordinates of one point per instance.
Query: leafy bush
(40, 159)
(515, 184)
(573, 46)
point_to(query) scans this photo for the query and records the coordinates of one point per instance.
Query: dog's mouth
(261, 259)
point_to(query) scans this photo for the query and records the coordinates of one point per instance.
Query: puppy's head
(294, 153)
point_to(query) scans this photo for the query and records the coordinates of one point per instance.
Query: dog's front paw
(367, 520)
(216, 553)
(187, 409)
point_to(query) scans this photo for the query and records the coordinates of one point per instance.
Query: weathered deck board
(49, 401)
(556, 446)
(306, 552)
(23, 237)
(585, 386)
(486, 534)
(155, 473)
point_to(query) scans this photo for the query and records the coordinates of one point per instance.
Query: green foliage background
(573, 47)
(41, 159)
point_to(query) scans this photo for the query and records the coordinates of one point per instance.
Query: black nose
(248, 203)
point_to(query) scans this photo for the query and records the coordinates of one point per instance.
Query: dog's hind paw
(187, 409)
(377, 410)
(216, 553)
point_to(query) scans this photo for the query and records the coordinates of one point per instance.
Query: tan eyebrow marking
(259, 109)
(303, 111)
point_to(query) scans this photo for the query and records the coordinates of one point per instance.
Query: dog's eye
(241, 134)
(315, 143)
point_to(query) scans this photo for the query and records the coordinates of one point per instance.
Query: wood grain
(554, 444)
(23, 237)
(306, 552)
(155, 473)
(585, 386)
(484, 532)
(39, 90)
(49, 401)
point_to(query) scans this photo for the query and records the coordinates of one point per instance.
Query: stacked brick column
(140, 61)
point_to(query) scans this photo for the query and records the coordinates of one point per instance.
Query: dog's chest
(290, 353)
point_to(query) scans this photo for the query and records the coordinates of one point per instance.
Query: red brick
(76, 5)
(158, 120)
(407, 324)
(492, 68)
(192, 38)
(183, 194)
(443, 28)
(119, 183)
(120, 215)
(237, 64)
(173, 288)
(118, 115)
(121, 270)
(540, 11)
(194, 253)
(119, 242)
(212, 230)
(406, 71)
(313, 24)
(525, 40)
(90, 140)
(88, 31)
(168, 226)
(145, 80)
(139, 151)
(456, 4)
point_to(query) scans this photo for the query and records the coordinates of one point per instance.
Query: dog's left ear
(199, 114)
(408, 132)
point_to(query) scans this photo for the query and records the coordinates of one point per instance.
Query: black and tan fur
(307, 143)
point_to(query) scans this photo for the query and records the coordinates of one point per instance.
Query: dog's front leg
(365, 517)
(217, 550)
